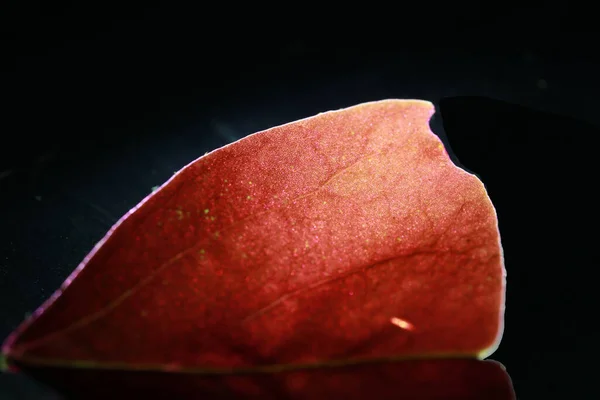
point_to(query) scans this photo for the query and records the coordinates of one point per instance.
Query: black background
(101, 103)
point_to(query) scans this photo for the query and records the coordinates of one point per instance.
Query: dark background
(101, 103)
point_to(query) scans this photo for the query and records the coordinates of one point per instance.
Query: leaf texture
(327, 242)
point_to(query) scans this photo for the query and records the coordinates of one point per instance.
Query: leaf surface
(338, 239)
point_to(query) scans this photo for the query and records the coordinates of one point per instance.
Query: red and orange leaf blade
(338, 239)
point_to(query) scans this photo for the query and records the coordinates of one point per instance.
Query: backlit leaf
(337, 240)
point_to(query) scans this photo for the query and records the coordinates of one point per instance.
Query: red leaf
(341, 238)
